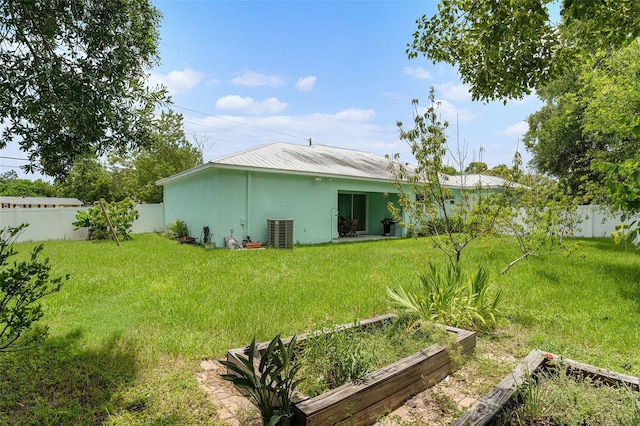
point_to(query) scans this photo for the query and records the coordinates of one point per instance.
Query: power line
(14, 158)
(238, 122)
(225, 130)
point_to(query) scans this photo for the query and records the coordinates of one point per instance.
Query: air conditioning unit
(280, 233)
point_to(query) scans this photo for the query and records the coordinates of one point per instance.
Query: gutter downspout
(248, 203)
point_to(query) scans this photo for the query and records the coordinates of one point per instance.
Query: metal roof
(302, 159)
(324, 160)
(313, 159)
(475, 181)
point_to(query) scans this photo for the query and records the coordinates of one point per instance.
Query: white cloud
(516, 130)
(306, 84)
(453, 92)
(213, 82)
(418, 73)
(234, 103)
(350, 128)
(255, 79)
(177, 81)
(451, 113)
(269, 106)
(248, 105)
(355, 115)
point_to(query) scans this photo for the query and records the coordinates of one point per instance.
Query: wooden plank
(609, 377)
(487, 407)
(434, 356)
(379, 392)
(395, 400)
(384, 389)
(375, 386)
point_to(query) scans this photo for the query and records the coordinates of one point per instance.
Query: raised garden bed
(363, 401)
(488, 410)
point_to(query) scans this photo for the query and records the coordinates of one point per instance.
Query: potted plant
(269, 379)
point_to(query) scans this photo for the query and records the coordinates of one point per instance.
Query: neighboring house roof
(476, 180)
(43, 201)
(302, 159)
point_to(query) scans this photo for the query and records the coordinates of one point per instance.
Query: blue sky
(244, 73)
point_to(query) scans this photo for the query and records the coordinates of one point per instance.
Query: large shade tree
(588, 116)
(12, 186)
(88, 181)
(72, 81)
(505, 49)
(166, 153)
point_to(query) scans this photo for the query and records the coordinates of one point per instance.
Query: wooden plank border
(487, 407)
(362, 402)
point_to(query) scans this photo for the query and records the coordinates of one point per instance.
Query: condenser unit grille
(280, 233)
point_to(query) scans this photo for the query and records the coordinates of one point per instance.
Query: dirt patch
(231, 405)
(438, 405)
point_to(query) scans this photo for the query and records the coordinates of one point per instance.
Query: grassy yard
(129, 329)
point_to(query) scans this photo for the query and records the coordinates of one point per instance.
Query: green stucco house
(310, 187)
(302, 193)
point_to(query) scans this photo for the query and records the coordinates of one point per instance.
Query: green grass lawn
(129, 329)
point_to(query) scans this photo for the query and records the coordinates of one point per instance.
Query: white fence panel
(56, 223)
(151, 219)
(596, 222)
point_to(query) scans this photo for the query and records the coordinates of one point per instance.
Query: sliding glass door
(353, 206)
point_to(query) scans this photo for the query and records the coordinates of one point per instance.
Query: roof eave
(184, 174)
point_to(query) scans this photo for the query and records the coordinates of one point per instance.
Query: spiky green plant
(272, 384)
(449, 296)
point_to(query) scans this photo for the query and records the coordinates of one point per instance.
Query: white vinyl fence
(56, 223)
(596, 222)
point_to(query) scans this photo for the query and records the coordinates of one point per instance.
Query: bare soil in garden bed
(438, 405)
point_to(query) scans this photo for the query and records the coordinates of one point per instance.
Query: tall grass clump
(449, 296)
(558, 397)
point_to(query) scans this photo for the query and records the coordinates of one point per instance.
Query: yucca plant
(449, 296)
(272, 384)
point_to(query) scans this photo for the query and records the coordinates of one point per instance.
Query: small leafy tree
(22, 285)
(541, 219)
(121, 214)
(623, 183)
(425, 194)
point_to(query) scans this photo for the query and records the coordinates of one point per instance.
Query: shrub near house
(121, 215)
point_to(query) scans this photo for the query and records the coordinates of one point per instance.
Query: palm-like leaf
(451, 297)
(404, 301)
(269, 382)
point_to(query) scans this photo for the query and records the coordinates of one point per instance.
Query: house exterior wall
(191, 200)
(225, 199)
